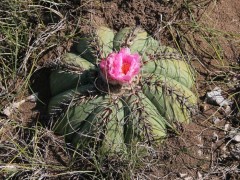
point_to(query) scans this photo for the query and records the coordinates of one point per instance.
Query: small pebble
(237, 138)
(199, 176)
(216, 120)
(214, 97)
(226, 127)
(181, 175)
(234, 135)
(188, 178)
(235, 151)
(215, 137)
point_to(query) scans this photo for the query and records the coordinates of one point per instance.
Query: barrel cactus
(120, 89)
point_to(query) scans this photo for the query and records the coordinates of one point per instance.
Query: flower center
(125, 68)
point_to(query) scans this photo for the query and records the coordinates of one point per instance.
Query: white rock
(214, 97)
(182, 175)
(216, 120)
(237, 137)
(234, 135)
(215, 137)
(228, 110)
(235, 151)
(188, 178)
(32, 98)
(199, 176)
(200, 145)
(15, 105)
(8, 110)
(226, 127)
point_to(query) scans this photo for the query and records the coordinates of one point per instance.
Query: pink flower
(120, 68)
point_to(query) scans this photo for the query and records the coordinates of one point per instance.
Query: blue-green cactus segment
(74, 117)
(175, 69)
(143, 122)
(113, 141)
(97, 46)
(103, 126)
(173, 100)
(62, 80)
(84, 49)
(120, 38)
(105, 37)
(134, 38)
(76, 62)
(60, 100)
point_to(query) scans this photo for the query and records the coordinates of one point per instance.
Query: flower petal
(120, 68)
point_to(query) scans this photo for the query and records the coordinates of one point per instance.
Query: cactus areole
(119, 90)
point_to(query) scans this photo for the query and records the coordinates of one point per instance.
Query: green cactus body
(143, 120)
(135, 38)
(173, 100)
(175, 69)
(105, 39)
(120, 38)
(111, 118)
(93, 125)
(67, 96)
(100, 121)
(96, 46)
(62, 80)
(114, 136)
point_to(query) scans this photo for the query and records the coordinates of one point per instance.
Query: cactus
(120, 89)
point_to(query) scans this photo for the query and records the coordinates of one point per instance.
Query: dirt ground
(201, 151)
